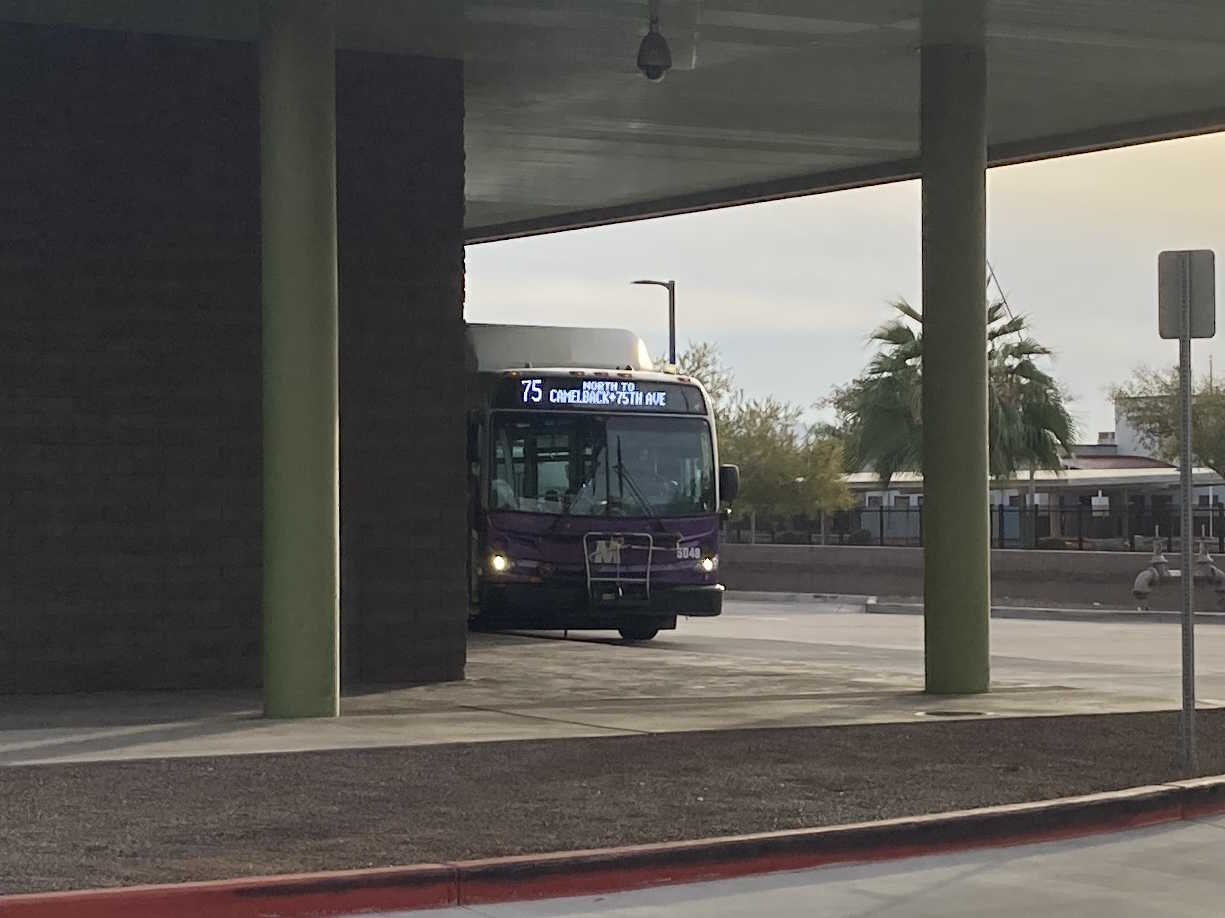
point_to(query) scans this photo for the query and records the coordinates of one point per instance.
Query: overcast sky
(790, 290)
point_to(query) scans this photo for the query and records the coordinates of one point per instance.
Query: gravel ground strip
(174, 820)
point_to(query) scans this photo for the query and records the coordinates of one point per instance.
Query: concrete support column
(956, 525)
(301, 508)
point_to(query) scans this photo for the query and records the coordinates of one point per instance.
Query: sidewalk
(521, 688)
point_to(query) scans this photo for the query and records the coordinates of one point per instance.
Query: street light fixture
(671, 287)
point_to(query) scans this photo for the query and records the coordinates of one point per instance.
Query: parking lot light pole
(671, 286)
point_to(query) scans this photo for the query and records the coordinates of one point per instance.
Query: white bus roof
(516, 347)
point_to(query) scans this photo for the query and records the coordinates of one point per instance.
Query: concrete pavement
(760, 664)
(1171, 871)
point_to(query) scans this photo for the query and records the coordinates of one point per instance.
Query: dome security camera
(654, 56)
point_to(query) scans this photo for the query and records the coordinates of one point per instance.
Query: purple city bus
(596, 493)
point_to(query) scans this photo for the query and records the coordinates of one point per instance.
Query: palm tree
(881, 412)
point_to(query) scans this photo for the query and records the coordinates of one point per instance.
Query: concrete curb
(577, 873)
(1034, 613)
(879, 606)
(767, 596)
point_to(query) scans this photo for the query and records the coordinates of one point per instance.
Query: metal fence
(1073, 528)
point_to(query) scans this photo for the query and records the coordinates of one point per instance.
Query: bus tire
(637, 632)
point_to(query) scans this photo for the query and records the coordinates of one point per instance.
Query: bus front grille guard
(604, 549)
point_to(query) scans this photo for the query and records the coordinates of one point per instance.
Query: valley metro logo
(607, 551)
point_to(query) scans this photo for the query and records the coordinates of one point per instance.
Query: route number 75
(531, 391)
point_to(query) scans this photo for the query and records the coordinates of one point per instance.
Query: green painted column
(301, 598)
(956, 525)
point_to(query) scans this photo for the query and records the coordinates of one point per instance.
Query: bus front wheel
(637, 632)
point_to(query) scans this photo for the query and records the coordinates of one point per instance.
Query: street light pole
(671, 286)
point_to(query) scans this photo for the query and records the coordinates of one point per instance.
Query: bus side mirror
(729, 483)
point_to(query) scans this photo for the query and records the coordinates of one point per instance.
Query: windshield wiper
(624, 477)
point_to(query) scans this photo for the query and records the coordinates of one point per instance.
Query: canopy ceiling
(767, 98)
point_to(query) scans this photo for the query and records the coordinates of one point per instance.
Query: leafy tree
(880, 412)
(784, 466)
(760, 437)
(823, 487)
(702, 361)
(1152, 403)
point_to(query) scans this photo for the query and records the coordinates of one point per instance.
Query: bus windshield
(602, 465)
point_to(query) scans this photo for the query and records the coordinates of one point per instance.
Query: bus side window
(503, 474)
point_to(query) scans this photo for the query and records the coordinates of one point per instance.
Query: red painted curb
(577, 873)
(596, 872)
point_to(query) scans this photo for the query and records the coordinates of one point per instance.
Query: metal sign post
(1186, 309)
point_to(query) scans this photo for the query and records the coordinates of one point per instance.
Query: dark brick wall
(129, 365)
(129, 361)
(403, 478)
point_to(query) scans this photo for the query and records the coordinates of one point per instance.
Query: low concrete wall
(1082, 578)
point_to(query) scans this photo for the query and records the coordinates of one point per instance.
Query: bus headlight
(709, 565)
(499, 563)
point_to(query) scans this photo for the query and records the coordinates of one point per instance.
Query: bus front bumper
(702, 601)
(697, 600)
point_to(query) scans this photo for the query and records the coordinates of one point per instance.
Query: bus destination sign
(601, 393)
